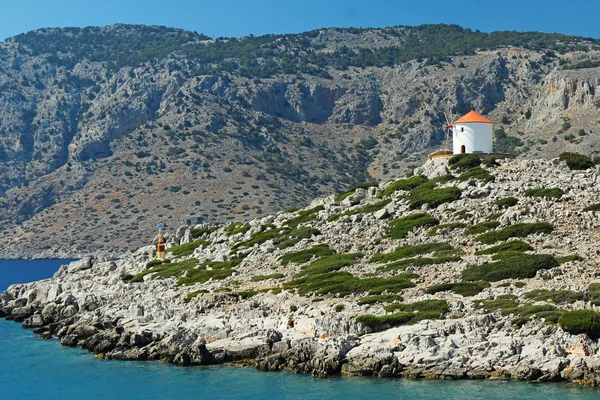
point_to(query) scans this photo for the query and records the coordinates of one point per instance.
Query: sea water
(31, 368)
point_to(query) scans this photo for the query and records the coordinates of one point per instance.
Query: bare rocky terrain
(457, 272)
(106, 131)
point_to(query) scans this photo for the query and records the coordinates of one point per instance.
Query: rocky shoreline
(135, 309)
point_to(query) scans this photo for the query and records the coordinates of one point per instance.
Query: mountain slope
(105, 131)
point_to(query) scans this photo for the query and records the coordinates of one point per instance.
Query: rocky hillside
(460, 271)
(106, 131)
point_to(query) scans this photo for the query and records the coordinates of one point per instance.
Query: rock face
(98, 138)
(131, 310)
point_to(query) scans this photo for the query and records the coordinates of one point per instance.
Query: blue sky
(240, 18)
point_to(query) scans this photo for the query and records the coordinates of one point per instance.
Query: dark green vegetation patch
(190, 271)
(403, 184)
(258, 278)
(506, 202)
(581, 321)
(476, 173)
(592, 207)
(426, 194)
(350, 191)
(410, 251)
(380, 298)
(553, 193)
(481, 227)
(451, 226)
(410, 313)
(556, 296)
(463, 162)
(513, 245)
(569, 258)
(418, 262)
(462, 288)
(576, 161)
(517, 266)
(399, 228)
(188, 248)
(367, 209)
(303, 256)
(516, 230)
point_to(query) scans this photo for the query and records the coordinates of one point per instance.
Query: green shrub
(219, 270)
(425, 194)
(246, 294)
(594, 293)
(570, 258)
(399, 228)
(380, 298)
(506, 202)
(188, 248)
(304, 216)
(238, 227)
(463, 162)
(153, 263)
(339, 307)
(193, 294)
(418, 262)
(481, 227)
(476, 173)
(166, 270)
(581, 321)
(463, 288)
(520, 284)
(443, 179)
(556, 296)
(197, 232)
(350, 191)
(521, 266)
(293, 308)
(410, 251)
(513, 245)
(302, 256)
(593, 207)
(576, 161)
(450, 226)
(258, 278)
(367, 209)
(415, 312)
(403, 184)
(462, 214)
(126, 277)
(553, 193)
(439, 306)
(516, 230)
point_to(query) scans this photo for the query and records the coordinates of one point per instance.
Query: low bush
(513, 245)
(183, 250)
(418, 262)
(350, 191)
(476, 173)
(463, 288)
(594, 293)
(576, 161)
(367, 209)
(246, 294)
(451, 226)
(581, 321)
(556, 296)
(410, 251)
(569, 258)
(463, 162)
(302, 256)
(153, 263)
(339, 307)
(506, 202)
(481, 227)
(198, 232)
(258, 278)
(553, 193)
(425, 194)
(304, 216)
(439, 306)
(516, 230)
(238, 227)
(415, 312)
(399, 228)
(403, 184)
(443, 179)
(593, 207)
(193, 294)
(380, 298)
(520, 266)
(126, 277)
(166, 270)
(218, 270)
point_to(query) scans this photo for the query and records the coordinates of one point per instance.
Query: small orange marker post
(160, 245)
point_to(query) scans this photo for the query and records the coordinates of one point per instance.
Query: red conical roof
(472, 116)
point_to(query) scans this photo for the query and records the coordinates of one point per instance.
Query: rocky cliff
(460, 271)
(105, 131)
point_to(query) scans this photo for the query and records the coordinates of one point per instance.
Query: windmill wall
(472, 137)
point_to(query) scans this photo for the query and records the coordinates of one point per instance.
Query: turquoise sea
(31, 368)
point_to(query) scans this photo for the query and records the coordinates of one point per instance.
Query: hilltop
(107, 130)
(463, 270)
